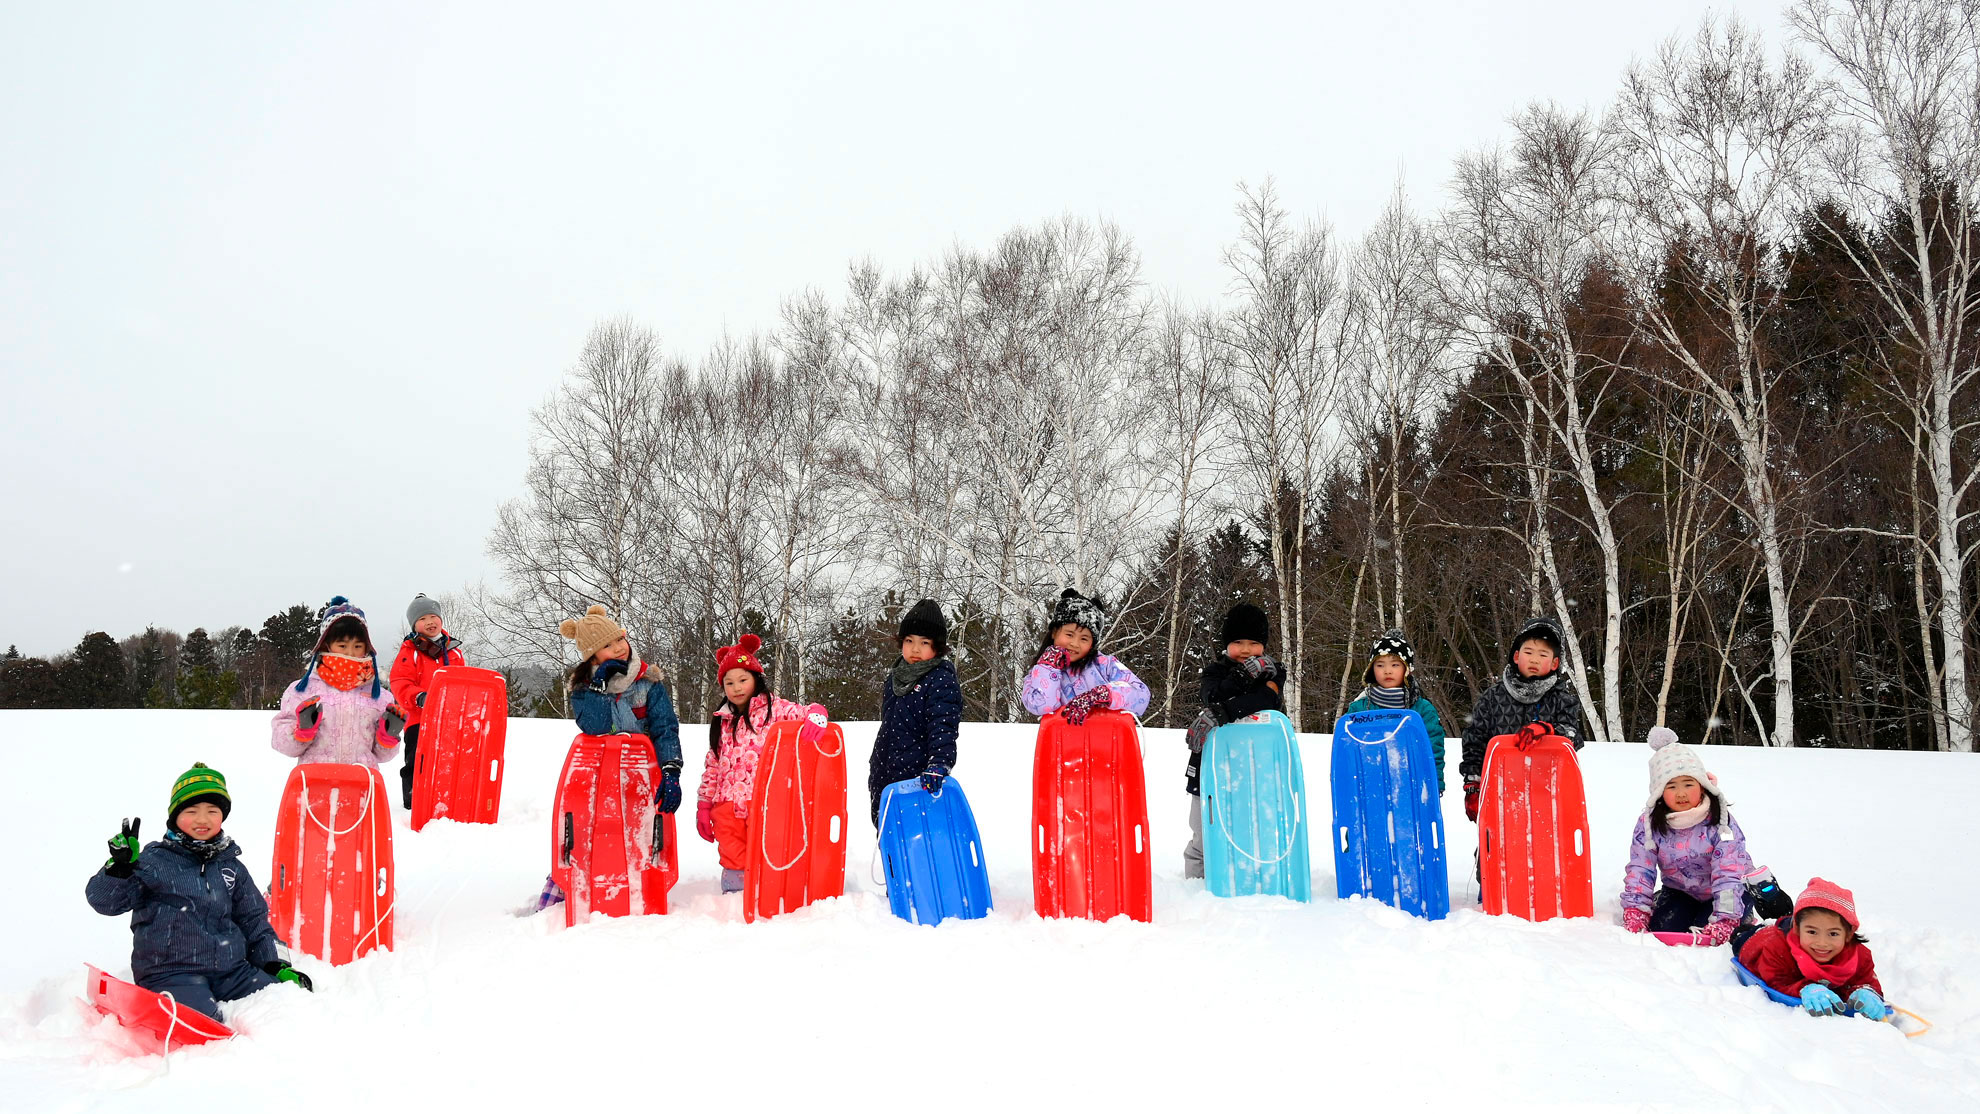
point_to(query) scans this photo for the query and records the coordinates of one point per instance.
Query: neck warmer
(342, 673)
(907, 674)
(1835, 974)
(205, 850)
(1529, 690)
(1388, 698)
(1689, 818)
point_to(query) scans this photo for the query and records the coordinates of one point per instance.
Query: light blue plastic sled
(932, 854)
(1388, 830)
(1254, 800)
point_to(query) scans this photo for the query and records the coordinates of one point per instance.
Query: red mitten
(1096, 699)
(309, 715)
(1717, 931)
(1471, 799)
(704, 820)
(1533, 733)
(1055, 658)
(1636, 920)
(815, 720)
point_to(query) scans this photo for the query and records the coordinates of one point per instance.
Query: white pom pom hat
(1672, 759)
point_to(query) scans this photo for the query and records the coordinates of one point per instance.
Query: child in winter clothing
(199, 925)
(1071, 676)
(1241, 681)
(1688, 835)
(614, 693)
(1391, 682)
(737, 729)
(1817, 955)
(921, 706)
(339, 711)
(429, 647)
(1535, 688)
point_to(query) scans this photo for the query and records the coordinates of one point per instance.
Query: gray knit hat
(420, 608)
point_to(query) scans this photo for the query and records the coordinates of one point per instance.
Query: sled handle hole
(1579, 850)
(1343, 831)
(494, 770)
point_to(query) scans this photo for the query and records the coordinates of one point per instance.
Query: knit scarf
(1689, 818)
(342, 673)
(907, 674)
(1529, 690)
(1388, 698)
(205, 850)
(1837, 974)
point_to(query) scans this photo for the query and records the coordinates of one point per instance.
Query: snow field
(841, 1006)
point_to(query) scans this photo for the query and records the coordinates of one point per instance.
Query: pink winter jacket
(731, 774)
(348, 730)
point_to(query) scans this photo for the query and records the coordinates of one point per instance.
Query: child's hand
(123, 850)
(815, 720)
(386, 733)
(1867, 1003)
(1199, 731)
(1096, 699)
(1055, 658)
(606, 670)
(1532, 733)
(704, 820)
(285, 973)
(1260, 666)
(933, 777)
(1717, 931)
(308, 714)
(670, 791)
(1471, 799)
(1820, 1000)
(1636, 920)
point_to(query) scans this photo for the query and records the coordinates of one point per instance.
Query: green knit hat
(202, 783)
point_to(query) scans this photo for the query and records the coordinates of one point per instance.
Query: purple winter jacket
(1707, 862)
(347, 731)
(1047, 689)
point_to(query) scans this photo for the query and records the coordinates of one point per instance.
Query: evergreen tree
(28, 683)
(13, 653)
(148, 661)
(198, 651)
(94, 675)
(291, 633)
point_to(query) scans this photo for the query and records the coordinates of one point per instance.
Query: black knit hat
(1086, 611)
(1542, 627)
(1391, 642)
(1244, 623)
(925, 620)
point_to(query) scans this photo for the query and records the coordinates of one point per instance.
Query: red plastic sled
(331, 890)
(1533, 830)
(458, 770)
(1089, 820)
(137, 1008)
(797, 821)
(612, 851)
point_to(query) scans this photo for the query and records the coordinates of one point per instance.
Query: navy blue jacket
(187, 917)
(917, 728)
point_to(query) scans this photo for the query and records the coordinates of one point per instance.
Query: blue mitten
(933, 777)
(1820, 1000)
(1868, 1004)
(602, 676)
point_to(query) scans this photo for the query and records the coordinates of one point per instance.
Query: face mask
(342, 673)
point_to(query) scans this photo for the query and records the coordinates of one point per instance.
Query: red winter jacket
(412, 670)
(1769, 955)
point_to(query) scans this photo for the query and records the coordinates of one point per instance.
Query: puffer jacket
(412, 670)
(635, 702)
(917, 728)
(735, 744)
(1231, 694)
(188, 916)
(1706, 861)
(1046, 689)
(1500, 712)
(346, 732)
(1769, 954)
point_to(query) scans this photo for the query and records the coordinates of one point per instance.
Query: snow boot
(732, 881)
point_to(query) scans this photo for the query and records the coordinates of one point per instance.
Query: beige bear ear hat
(593, 632)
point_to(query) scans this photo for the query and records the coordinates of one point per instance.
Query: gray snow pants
(1193, 853)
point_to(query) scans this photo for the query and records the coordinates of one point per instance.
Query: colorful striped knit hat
(201, 784)
(341, 617)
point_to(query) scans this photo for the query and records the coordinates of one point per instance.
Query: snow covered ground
(1237, 1003)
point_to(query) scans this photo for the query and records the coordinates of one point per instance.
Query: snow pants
(1193, 851)
(411, 763)
(205, 992)
(1676, 911)
(731, 834)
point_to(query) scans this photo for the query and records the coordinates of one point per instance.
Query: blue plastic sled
(1748, 978)
(932, 853)
(1254, 799)
(1388, 830)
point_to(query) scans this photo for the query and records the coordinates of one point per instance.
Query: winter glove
(1533, 733)
(1471, 799)
(670, 791)
(1055, 658)
(419, 699)
(123, 850)
(1259, 668)
(933, 777)
(1820, 1000)
(390, 725)
(704, 820)
(1636, 920)
(1096, 699)
(1717, 931)
(1199, 731)
(308, 714)
(814, 721)
(1868, 1004)
(285, 973)
(606, 670)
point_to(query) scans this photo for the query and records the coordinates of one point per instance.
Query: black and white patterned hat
(1088, 612)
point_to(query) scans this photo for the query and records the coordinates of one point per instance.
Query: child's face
(1244, 649)
(201, 821)
(1535, 658)
(1681, 793)
(619, 649)
(428, 626)
(1822, 934)
(738, 685)
(347, 646)
(1073, 639)
(1390, 672)
(915, 648)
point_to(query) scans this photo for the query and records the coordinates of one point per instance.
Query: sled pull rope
(173, 1010)
(1292, 841)
(310, 811)
(876, 864)
(1895, 1010)
(804, 822)
(377, 918)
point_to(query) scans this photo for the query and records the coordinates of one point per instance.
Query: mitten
(419, 699)
(1820, 1000)
(1055, 658)
(308, 714)
(1260, 667)
(1097, 698)
(704, 820)
(933, 777)
(123, 850)
(1636, 920)
(390, 725)
(1533, 733)
(606, 670)
(815, 720)
(1717, 931)
(1868, 1004)
(285, 973)
(1199, 730)
(670, 791)
(1471, 799)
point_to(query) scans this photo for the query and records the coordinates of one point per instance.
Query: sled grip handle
(567, 839)
(659, 837)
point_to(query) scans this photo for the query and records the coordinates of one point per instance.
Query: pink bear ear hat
(1672, 759)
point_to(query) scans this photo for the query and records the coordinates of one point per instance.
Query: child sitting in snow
(921, 707)
(427, 648)
(199, 925)
(1071, 676)
(1816, 955)
(1534, 688)
(737, 729)
(1686, 834)
(340, 711)
(1241, 681)
(1391, 682)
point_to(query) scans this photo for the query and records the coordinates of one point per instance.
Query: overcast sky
(280, 283)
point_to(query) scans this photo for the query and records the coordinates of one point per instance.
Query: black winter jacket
(187, 917)
(1232, 694)
(1498, 712)
(917, 728)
